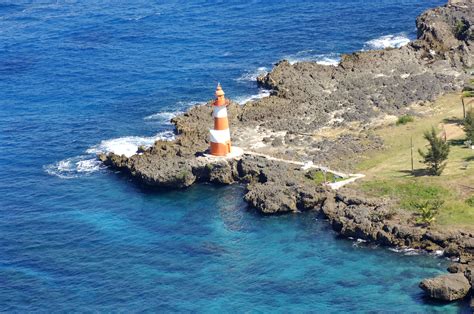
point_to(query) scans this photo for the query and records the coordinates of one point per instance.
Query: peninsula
(322, 123)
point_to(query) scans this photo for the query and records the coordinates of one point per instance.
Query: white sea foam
(388, 41)
(140, 17)
(252, 75)
(358, 242)
(261, 94)
(331, 59)
(73, 167)
(187, 104)
(405, 251)
(165, 116)
(128, 145)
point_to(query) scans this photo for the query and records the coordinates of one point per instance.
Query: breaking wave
(252, 75)
(73, 167)
(388, 41)
(128, 145)
(331, 59)
(261, 94)
(406, 251)
(166, 116)
(88, 163)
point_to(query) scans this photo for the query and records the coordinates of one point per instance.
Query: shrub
(468, 93)
(468, 125)
(183, 175)
(427, 210)
(461, 29)
(319, 177)
(405, 119)
(438, 151)
(470, 201)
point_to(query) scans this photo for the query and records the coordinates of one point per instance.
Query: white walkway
(349, 177)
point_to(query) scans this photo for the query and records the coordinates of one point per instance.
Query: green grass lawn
(319, 177)
(389, 171)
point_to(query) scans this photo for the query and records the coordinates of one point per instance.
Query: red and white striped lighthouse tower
(220, 135)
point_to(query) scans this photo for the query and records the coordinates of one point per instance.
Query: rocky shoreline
(326, 114)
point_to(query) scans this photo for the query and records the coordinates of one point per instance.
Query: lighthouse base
(234, 153)
(220, 149)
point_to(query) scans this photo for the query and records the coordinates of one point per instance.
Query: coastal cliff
(327, 114)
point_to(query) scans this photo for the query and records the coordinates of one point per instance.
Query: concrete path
(349, 177)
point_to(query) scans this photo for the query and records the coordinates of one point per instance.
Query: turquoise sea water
(77, 78)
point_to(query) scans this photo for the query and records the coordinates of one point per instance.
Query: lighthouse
(220, 135)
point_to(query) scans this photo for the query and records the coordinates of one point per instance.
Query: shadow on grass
(453, 120)
(416, 172)
(456, 142)
(470, 158)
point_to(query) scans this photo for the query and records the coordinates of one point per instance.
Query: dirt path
(452, 130)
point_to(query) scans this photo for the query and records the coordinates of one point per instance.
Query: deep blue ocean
(80, 77)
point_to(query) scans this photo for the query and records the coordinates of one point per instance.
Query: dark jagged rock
(222, 172)
(447, 287)
(274, 197)
(448, 31)
(311, 198)
(357, 217)
(271, 198)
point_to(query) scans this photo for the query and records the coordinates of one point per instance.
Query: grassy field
(389, 171)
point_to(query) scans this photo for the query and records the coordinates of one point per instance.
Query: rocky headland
(327, 114)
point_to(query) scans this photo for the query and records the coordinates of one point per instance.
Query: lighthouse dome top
(219, 91)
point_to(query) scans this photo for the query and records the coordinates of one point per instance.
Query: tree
(438, 151)
(427, 211)
(469, 125)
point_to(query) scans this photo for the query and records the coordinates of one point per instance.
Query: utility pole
(411, 149)
(463, 108)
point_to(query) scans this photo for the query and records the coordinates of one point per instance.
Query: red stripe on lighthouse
(221, 123)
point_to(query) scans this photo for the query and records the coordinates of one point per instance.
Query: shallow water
(77, 78)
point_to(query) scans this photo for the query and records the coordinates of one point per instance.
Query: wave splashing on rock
(388, 41)
(332, 59)
(128, 145)
(262, 93)
(252, 75)
(164, 117)
(77, 166)
(179, 108)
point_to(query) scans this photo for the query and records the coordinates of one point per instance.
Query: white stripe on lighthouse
(220, 112)
(220, 136)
